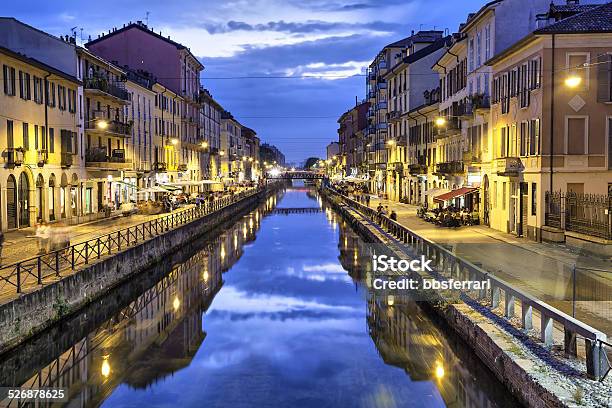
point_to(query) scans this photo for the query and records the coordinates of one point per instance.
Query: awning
(355, 180)
(168, 187)
(151, 190)
(436, 191)
(460, 192)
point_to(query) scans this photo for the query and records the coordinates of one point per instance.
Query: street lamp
(204, 145)
(440, 121)
(573, 81)
(102, 124)
(390, 142)
(221, 153)
(174, 141)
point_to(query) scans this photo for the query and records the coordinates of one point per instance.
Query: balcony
(43, 157)
(182, 167)
(416, 169)
(381, 105)
(451, 127)
(508, 166)
(103, 87)
(371, 95)
(66, 158)
(113, 128)
(394, 116)
(97, 157)
(449, 168)
(372, 76)
(14, 157)
(160, 166)
(481, 103)
(371, 113)
(382, 66)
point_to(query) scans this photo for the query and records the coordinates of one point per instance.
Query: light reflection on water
(270, 313)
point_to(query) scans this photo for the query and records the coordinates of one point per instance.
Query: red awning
(460, 192)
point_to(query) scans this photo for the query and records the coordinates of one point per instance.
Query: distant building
(270, 154)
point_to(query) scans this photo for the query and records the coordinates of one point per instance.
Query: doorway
(11, 203)
(24, 201)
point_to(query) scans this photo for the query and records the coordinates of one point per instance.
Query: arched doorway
(40, 196)
(24, 200)
(51, 195)
(11, 202)
(63, 186)
(74, 194)
(485, 200)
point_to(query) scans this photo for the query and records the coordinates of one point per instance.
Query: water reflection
(289, 324)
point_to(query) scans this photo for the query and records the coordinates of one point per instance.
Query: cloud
(299, 27)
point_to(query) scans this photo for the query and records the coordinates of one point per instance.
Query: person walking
(393, 215)
(42, 236)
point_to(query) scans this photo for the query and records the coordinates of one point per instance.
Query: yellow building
(552, 132)
(38, 123)
(167, 135)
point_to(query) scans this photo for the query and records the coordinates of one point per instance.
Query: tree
(311, 161)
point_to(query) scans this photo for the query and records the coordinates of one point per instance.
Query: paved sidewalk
(21, 244)
(541, 269)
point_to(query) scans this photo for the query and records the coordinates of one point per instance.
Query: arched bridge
(296, 175)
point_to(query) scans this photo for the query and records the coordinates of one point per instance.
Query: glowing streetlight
(440, 121)
(174, 141)
(391, 142)
(102, 124)
(221, 153)
(244, 158)
(176, 304)
(439, 372)
(204, 145)
(572, 81)
(105, 369)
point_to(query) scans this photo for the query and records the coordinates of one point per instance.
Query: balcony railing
(394, 115)
(371, 113)
(98, 157)
(13, 157)
(471, 157)
(451, 127)
(182, 167)
(66, 159)
(417, 168)
(449, 168)
(508, 166)
(118, 128)
(381, 105)
(160, 166)
(43, 157)
(106, 86)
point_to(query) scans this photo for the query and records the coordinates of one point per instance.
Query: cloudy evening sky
(238, 38)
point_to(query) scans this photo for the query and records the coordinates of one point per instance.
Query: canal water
(272, 312)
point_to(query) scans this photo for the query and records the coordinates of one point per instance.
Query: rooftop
(593, 19)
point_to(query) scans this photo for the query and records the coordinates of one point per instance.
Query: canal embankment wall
(31, 313)
(516, 370)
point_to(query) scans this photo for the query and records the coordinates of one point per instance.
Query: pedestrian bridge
(305, 210)
(296, 175)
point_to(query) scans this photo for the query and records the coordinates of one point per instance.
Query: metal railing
(500, 293)
(42, 269)
(589, 214)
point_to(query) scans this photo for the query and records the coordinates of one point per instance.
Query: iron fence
(589, 214)
(500, 294)
(43, 269)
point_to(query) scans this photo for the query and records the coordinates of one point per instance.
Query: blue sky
(237, 38)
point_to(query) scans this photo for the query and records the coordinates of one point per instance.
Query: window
(534, 73)
(9, 133)
(495, 194)
(534, 137)
(504, 195)
(487, 42)
(38, 90)
(471, 55)
(534, 198)
(24, 86)
(523, 138)
(9, 80)
(575, 64)
(51, 140)
(575, 135)
(604, 78)
(478, 49)
(35, 137)
(26, 136)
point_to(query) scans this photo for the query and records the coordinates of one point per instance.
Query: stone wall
(33, 312)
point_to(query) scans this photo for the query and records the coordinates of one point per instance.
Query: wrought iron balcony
(394, 115)
(113, 128)
(182, 167)
(14, 156)
(66, 159)
(160, 166)
(43, 157)
(97, 157)
(417, 168)
(108, 87)
(449, 168)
